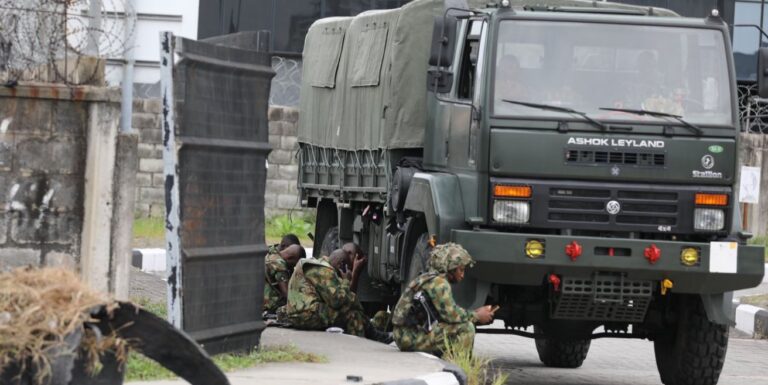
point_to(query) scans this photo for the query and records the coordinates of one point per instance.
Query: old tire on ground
(330, 241)
(695, 354)
(559, 353)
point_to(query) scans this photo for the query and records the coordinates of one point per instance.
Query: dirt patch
(756, 300)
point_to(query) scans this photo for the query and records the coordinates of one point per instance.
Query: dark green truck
(585, 153)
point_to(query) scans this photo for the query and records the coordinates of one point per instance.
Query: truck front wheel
(694, 352)
(561, 353)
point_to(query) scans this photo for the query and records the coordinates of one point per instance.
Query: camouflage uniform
(276, 270)
(414, 330)
(318, 298)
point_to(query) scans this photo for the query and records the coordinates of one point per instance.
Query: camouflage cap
(449, 256)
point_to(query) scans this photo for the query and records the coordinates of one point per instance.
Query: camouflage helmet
(449, 256)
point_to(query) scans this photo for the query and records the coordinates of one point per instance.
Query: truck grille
(605, 297)
(591, 157)
(589, 206)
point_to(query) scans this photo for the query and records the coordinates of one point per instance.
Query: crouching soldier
(426, 316)
(319, 297)
(278, 266)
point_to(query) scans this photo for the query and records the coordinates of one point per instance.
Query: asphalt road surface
(615, 362)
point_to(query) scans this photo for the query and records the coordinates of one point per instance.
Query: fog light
(511, 212)
(534, 249)
(689, 256)
(709, 219)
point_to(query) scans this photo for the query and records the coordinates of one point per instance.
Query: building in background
(289, 20)
(152, 17)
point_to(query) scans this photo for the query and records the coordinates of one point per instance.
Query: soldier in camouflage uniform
(319, 297)
(426, 314)
(278, 267)
(287, 240)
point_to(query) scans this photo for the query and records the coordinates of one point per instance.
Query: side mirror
(762, 72)
(443, 41)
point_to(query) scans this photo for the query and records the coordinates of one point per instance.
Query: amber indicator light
(712, 199)
(512, 191)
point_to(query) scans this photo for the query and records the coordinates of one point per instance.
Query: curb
(752, 320)
(451, 375)
(149, 260)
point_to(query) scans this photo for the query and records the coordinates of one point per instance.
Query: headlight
(709, 219)
(511, 212)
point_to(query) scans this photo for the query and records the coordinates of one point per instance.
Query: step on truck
(584, 153)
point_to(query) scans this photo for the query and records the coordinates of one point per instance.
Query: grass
(760, 241)
(140, 368)
(150, 232)
(757, 300)
(478, 369)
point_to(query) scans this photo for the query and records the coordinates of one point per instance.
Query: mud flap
(719, 308)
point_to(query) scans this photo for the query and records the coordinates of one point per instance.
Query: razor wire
(753, 111)
(286, 85)
(48, 40)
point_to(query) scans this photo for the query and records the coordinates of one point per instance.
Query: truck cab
(585, 154)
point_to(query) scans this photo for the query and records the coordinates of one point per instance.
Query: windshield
(586, 66)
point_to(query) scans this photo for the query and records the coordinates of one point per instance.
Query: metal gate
(215, 138)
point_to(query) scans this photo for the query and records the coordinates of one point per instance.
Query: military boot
(377, 335)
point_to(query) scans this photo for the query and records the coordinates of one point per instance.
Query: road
(615, 362)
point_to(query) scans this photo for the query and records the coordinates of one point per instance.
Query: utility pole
(94, 27)
(130, 43)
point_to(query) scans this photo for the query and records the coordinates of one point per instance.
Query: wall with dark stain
(42, 165)
(64, 173)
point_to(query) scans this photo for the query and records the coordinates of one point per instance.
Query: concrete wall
(281, 194)
(62, 163)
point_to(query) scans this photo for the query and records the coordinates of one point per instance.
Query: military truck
(584, 153)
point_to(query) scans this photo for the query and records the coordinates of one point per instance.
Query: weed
(478, 369)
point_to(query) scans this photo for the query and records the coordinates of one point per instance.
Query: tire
(419, 259)
(330, 241)
(695, 354)
(558, 353)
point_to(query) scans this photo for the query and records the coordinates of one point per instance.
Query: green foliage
(280, 225)
(142, 368)
(478, 369)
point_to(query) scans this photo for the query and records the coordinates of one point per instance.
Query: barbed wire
(753, 113)
(286, 85)
(54, 40)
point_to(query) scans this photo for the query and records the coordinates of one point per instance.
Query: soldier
(426, 314)
(278, 266)
(287, 240)
(319, 297)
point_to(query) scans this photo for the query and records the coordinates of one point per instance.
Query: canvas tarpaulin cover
(365, 77)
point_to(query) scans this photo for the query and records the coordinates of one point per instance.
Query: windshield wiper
(560, 109)
(698, 131)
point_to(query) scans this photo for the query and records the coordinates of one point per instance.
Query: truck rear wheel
(560, 353)
(695, 353)
(330, 241)
(419, 259)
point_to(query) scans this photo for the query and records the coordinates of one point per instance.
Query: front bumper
(501, 259)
